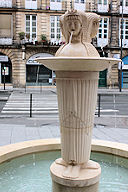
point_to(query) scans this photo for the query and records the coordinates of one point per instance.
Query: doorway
(5, 69)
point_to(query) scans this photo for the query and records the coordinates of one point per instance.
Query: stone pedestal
(87, 181)
(77, 96)
(62, 188)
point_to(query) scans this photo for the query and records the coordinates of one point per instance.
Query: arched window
(37, 74)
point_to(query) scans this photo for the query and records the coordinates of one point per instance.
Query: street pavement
(16, 125)
(18, 104)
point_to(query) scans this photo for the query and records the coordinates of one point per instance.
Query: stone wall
(114, 31)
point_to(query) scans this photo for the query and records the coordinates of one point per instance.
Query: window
(6, 29)
(79, 5)
(56, 4)
(123, 32)
(124, 28)
(103, 2)
(125, 6)
(31, 4)
(126, 3)
(31, 27)
(79, 1)
(55, 29)
(5, 25)
(100, 2)
(103, 6)
(103, 28)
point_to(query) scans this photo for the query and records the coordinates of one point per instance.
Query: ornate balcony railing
(6, 3)
(6, 41)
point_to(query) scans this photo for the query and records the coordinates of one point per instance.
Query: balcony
(6, 3)
(5, 41)
(102, 42)
(124, 43)
(125, 9)
(6, 29)
(103, 8)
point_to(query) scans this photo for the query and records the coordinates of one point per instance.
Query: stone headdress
(89, 24)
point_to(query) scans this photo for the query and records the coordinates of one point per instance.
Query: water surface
(30, 173)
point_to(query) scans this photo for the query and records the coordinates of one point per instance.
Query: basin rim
(11, 151)
(77, 63)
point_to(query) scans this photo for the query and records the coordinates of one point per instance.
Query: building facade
(30, 29)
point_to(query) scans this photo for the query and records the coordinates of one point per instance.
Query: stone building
(30, 29)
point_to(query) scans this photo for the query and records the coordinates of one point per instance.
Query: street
(45, 103)
(114, 105)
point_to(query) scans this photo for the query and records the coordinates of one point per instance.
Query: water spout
(70, 40)
(34, 160)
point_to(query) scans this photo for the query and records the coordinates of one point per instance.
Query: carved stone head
(90, 26)
(83, 26)
(70, 22)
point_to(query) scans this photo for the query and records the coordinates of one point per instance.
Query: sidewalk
(14, 130)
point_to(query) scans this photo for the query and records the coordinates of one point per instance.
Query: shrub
(21, 35)
(43, 37)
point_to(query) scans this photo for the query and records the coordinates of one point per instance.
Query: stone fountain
(77, 65)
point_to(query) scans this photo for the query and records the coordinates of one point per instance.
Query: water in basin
(30, 173)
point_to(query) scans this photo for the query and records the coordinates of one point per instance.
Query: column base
(56, 187)
(87, 181)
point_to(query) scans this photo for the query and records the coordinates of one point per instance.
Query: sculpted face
(83, 25)
(74, 25)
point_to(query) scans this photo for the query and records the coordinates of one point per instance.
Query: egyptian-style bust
(78, 29)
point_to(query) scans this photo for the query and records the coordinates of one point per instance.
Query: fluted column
(77, 95)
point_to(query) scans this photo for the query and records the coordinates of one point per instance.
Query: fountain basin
(77, 63)
(31, 172)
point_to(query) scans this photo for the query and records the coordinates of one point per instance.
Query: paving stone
(18, 134)
(55, 130)
(45, 133)
(32, 133)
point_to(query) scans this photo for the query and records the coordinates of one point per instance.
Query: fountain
(77, 65)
